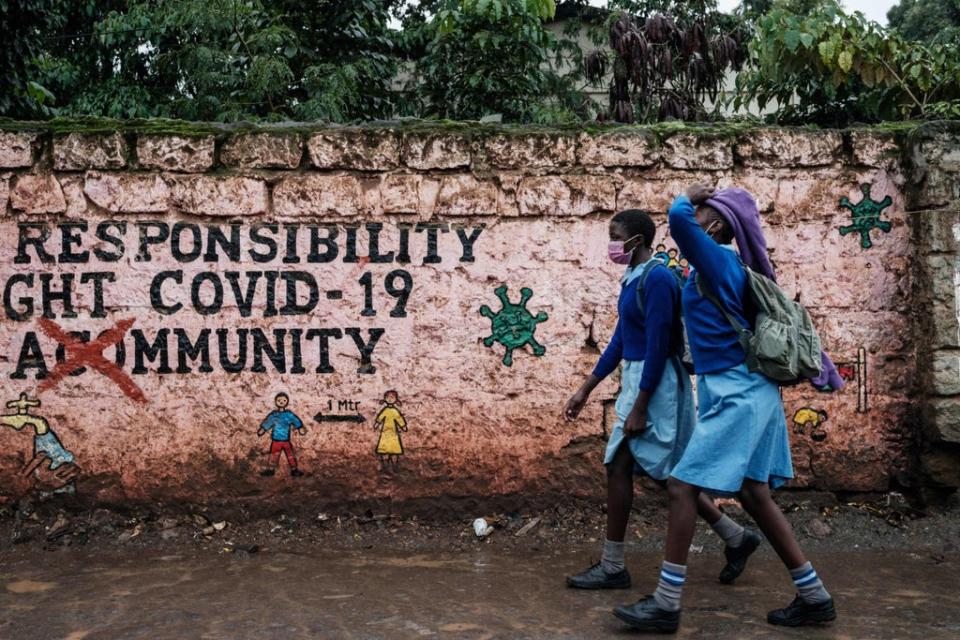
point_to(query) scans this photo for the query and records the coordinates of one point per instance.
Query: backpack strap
(742, 333)
(643, 278)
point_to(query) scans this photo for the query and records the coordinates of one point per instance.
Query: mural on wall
(210, 272)
(390, 422)
(810, 421)
(672, 258)
(81, 352)
(280, 422)
(866, 216)
(857, 370)
(513, 326)
(51, 459)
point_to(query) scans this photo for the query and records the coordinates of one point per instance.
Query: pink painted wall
(541, 202)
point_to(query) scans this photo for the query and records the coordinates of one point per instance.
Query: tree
(221, 59)
(484, 57)
(833, 68)
(926, 20)
(667, 60)
(21, 96)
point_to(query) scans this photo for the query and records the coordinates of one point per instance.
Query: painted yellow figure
(812, 418)
(390, 422)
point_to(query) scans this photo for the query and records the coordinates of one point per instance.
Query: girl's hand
(636, 422)
(699, 193)
(575, 405)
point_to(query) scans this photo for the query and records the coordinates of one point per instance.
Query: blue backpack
(682, 348)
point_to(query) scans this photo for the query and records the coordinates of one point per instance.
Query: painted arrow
(338, 418)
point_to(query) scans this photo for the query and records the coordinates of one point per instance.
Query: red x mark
(79, 353)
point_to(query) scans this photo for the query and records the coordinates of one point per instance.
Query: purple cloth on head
(739, 209)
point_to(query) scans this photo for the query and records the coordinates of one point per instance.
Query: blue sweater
(713, 342)
(644, 338)
(279, 423)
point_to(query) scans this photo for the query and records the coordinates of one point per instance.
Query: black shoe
(646, 615)
(267, 472)
(800, 612)
(737, 556)
(296, 472)
(596, 578)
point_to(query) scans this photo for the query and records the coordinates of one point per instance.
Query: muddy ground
(824, 522)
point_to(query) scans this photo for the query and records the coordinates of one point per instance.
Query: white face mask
(710, 228)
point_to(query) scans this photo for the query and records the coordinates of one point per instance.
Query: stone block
(16, 149)
(691, 151)
(535, 150)
(942, 466)
(789, 148)
(400, 193)
(565, 195)
(82, 151)
(935, 171)
(465, 195)
(320, 195)
(425, 151)
(219, 196)
(617, 149)
(127, 193)
(37, 193)
(874, 148)
(945, 373)
(186, 154)
(78, 206)
(263, 151)
(938, 230)
(360, 149)
(944, 419)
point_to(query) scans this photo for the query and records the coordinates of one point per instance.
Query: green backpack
(784, 346)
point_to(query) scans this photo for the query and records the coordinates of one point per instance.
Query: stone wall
(335, 264)
(934, 203)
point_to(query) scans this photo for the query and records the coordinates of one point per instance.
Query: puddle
(29, 586)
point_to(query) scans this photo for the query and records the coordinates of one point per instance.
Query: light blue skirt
(670, 419)
(741, 433)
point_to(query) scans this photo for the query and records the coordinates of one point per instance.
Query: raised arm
(706, 256)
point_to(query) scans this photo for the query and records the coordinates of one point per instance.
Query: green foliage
(926, 20)
(222, 60)
(484, 57)
(21, 95)
(832, 68)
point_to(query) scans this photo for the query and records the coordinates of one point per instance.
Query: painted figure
(866, 216)
(812, 418)
(279, 423)
(46, 444)
(390, 422)
(513, 326)
(660, 253)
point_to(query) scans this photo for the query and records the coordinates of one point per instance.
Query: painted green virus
(866, 216)
(513, 325)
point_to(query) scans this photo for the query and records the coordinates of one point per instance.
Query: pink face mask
(615, 250)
